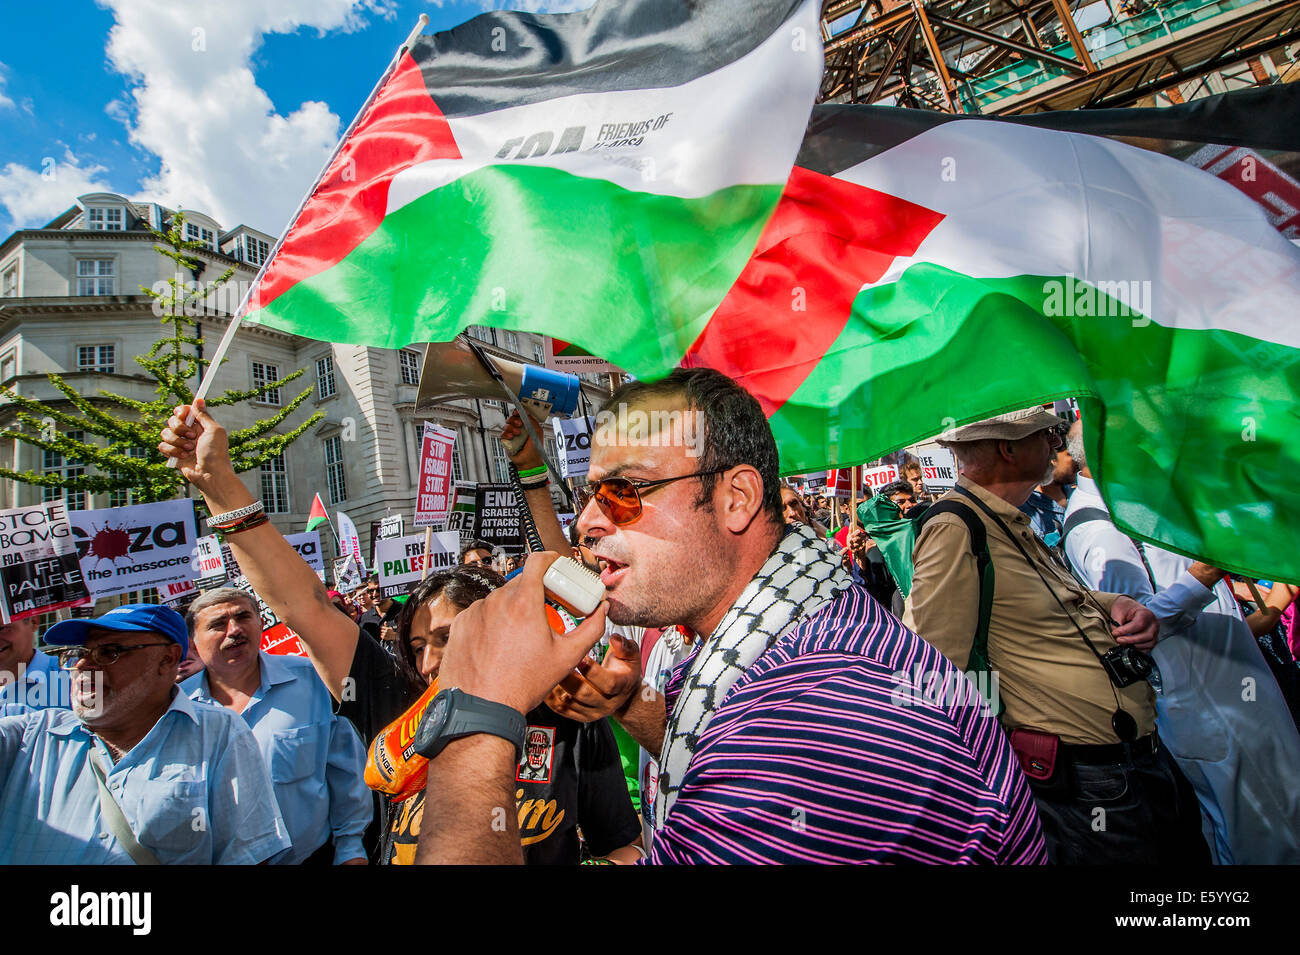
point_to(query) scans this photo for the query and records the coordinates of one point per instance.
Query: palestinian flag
(925, 270)
(605, 172)
(318, 516)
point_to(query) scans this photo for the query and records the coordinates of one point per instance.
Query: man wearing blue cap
(135, 772)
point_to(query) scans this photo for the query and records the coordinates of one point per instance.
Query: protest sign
(210, 560)
(400, 560)
(347, 575)
(283, 641)
(876, 478)
(349, 541)
(938, 468)
(498, 519)
(39, 571)
(433, 492)
(461, 518)
(307, 544)
(382, 530)
(839, 481)
(573, 445)
(134, 547)
(174, 593)
(566, 357)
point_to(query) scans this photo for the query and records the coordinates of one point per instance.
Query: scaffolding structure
(998, 57)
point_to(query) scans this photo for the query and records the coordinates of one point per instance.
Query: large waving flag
(607, 172)
(924, 271)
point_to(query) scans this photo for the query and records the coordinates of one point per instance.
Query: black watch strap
(468, 715)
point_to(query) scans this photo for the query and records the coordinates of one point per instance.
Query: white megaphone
(460, 369)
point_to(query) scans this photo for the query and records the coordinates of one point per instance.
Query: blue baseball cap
(131, 618)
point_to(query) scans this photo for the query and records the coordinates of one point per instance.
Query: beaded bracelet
(245, 525)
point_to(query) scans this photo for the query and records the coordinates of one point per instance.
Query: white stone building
(70, 302)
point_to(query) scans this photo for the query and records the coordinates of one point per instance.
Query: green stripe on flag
(530, 247)
(1196, 426)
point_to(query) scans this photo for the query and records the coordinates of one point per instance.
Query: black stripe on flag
(841, 136)
(513, 59)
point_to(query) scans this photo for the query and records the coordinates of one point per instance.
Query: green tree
(126, 457)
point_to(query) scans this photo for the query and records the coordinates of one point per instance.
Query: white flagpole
(206, 384)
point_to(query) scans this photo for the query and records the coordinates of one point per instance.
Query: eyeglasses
(620, 498)
(104, 655)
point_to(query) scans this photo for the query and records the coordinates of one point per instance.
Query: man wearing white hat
(1070, 677)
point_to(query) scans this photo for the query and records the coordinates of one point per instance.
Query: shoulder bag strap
(116, 820)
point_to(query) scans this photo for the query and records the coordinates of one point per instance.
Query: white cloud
(529, 6)
(195, 103)
(35, 196)
(5, 101)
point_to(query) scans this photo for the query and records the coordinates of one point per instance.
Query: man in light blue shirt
(316, 759)
(1218, 707)
(188, 780)
(29, 679)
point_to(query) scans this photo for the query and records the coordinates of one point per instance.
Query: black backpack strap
(1086, 515)
(1083, 515)
(979, 545)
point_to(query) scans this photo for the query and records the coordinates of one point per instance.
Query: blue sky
(225, 106)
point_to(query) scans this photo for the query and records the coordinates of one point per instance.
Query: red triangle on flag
(826, 239)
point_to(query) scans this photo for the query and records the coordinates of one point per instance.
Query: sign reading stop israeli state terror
(135, 547)
(39, 571)
(433, 497)
(400, 560)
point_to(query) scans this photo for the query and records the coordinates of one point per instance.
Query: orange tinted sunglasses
(620, 498)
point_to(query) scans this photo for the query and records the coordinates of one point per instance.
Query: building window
(410, 363)
(255, 250)
(54, 463)
(104, 220)
(97, 358)
(334, 477)
(8, 365)
(95, 277)
(500, 464)
(124, 495)
(457, 469)
(325, 377)
(483, 334)
(263, 375)
(275, 484)
(11, 282)
(512, 341)
(539, 353)
(195, 233)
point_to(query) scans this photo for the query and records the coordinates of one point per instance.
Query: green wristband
(533, 472)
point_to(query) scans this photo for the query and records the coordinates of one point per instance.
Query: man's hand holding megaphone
(526, 456)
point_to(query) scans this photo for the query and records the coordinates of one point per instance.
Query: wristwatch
(454, 713)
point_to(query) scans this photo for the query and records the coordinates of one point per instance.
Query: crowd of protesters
(977, 675)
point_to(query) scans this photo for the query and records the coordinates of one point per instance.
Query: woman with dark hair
(570, 774)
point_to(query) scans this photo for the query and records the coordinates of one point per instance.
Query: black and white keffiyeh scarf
(802, 576)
